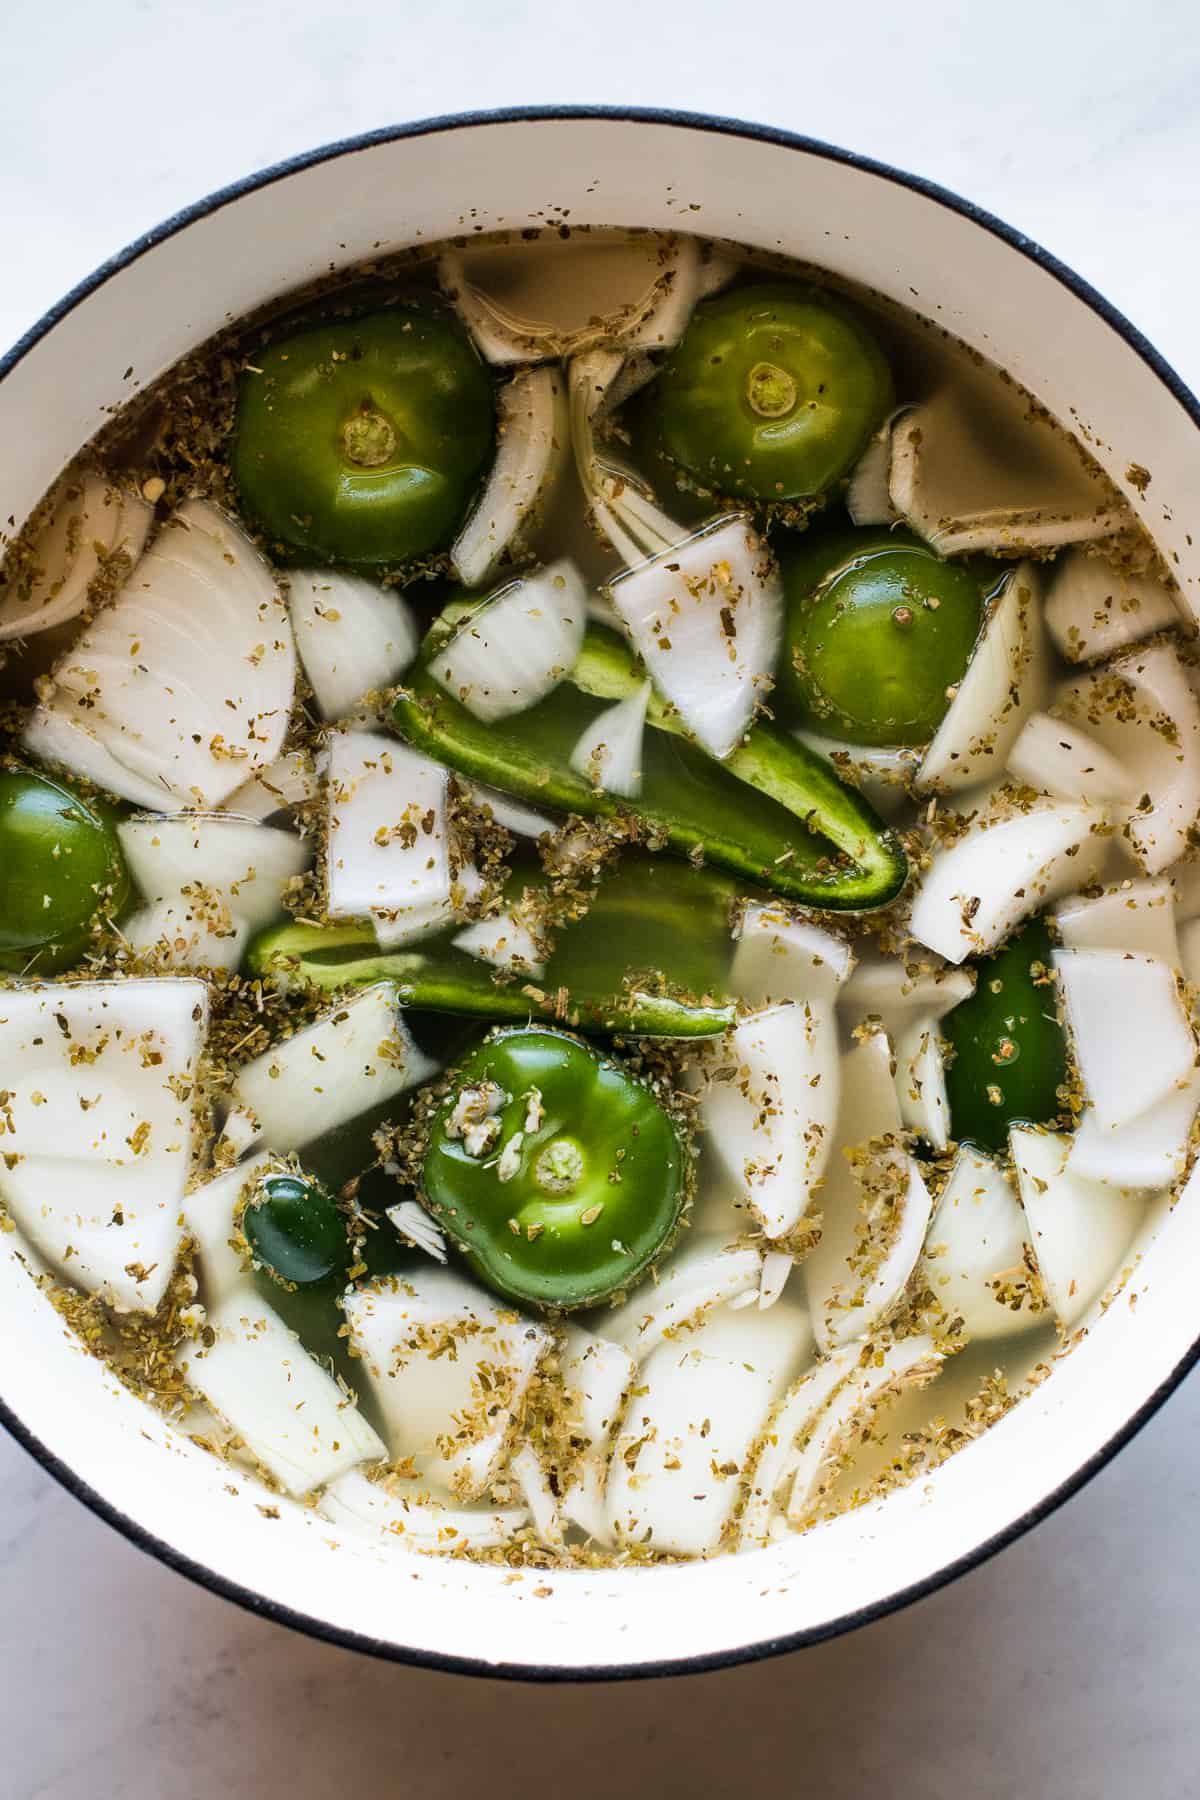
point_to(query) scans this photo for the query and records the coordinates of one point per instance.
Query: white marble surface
(1069, 1666)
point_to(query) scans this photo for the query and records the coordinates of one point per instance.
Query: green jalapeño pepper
(773, 813)
(772, 392)
(879, 634)
(364, 440)
(1010, 1053)
(294, 1229)
(61, 870)
(649, 958)
(556, 1169)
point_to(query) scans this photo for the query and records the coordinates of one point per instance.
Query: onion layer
(90, 522)
(768, 1106)
(185, 682)
(515, 647)
(534, 439)
(1004, 682)
(449, 1370)
(1130, 1034)
(291, 1413)
(350, 1062)
(1005, 868)
(1092, 610)
(706, 616)
(1080, 1231)
(353, 637)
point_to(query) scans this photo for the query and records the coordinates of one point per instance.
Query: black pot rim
(724, 1659)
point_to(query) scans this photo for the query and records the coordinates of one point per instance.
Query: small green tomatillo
(879, 634)
(556, 1168)
(363, 440)
(772, 392)
(61, 869)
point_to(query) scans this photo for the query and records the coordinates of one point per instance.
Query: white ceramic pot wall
(998, 293)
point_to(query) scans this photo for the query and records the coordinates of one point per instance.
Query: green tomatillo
(772, 393)
(363, 440)
(61, 870)
(556, 1168)
(1009, 1051)
(879, 634)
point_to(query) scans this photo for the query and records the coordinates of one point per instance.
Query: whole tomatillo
(61, 869)
(771, 393)
(363, 440)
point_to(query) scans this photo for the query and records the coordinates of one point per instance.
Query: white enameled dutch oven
(982, 281)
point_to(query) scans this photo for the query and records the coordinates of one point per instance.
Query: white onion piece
(534, 439)
(620, 505)
(1004, 869)
(777, 1266)
(523, 821)
(781, 956)
(247, 863)
(962, 485)
(515, 647)
(504, 942)
(67, 741)
(875, 1206)
(1149, 1153)
(1138, 915)
(449, 1370)
(608, 752)
(186, 680)
(868, 492)
(1059, 758)
(415, 1226)
(1093, 610)
(682, 1453)
(1080, 1230)
(1129, 1031)
(975, 1242)
(352, 635)
(597, 1373)
(896, 991)
(526, 1471)
(128, 1047)
(705, 616)
(193, 931)
(352, 1501)
(883, 772)
(706, 1272)
(1143, 710)
(784, 1442)
(851, 1416)
(90, 521)
(1004, 682)
(290, 781)
(608, 286)
(291, 1413)
(387, 846)
(921, 1083)
(208, 1217)
(768, 1106)
(111, 1230)
(409, 924)
(351, 1061)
